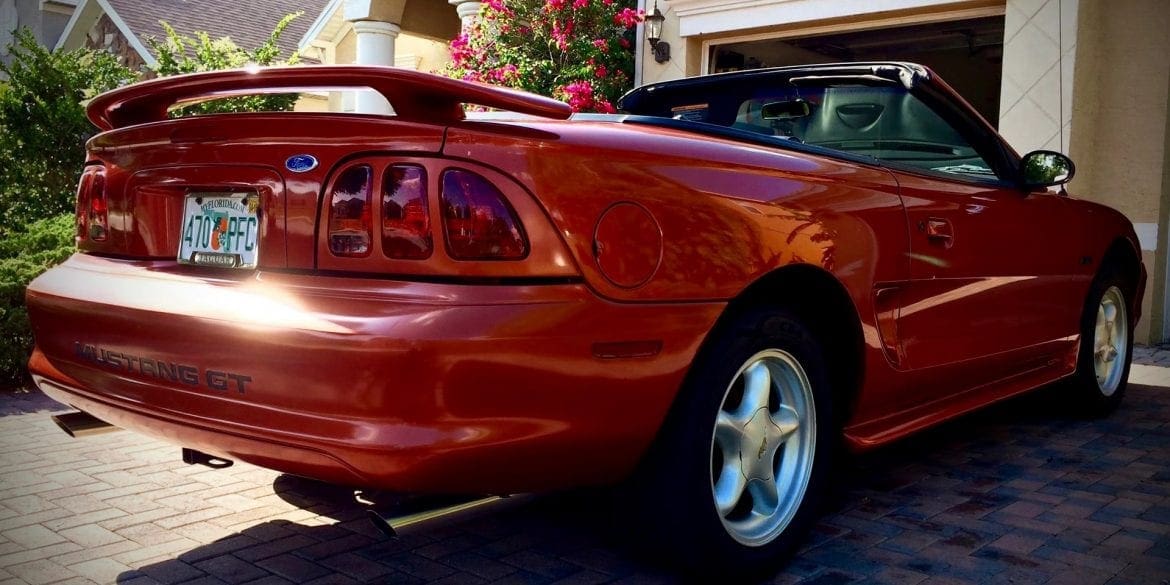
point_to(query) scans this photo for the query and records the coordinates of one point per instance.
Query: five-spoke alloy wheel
(1110, 341)
(762, 447)
(1106, 345)
(735, 478)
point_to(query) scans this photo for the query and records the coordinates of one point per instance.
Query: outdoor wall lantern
(654, 35)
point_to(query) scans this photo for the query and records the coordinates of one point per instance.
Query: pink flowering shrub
(577, 51)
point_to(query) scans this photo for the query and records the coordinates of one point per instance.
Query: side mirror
(1045, 168)
(789, 110)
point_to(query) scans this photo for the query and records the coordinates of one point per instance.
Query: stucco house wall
(1120, 130)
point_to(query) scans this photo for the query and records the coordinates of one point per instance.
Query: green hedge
(24, 255)
(43, 130)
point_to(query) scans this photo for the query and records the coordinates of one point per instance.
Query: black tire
(676, 483)
(1092, 395)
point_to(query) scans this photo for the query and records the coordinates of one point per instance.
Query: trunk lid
(150, 170)
(148, 175)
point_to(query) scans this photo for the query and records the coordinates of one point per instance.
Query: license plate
(220, 229)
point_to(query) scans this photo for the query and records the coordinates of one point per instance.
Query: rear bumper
(400, 385)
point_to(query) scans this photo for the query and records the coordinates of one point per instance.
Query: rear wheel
(1106, 346)
(736, 476)
(763, 447)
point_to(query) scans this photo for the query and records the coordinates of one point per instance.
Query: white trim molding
(319, 25)
(1147, 234)
(704, 17)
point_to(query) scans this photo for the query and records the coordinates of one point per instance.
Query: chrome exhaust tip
(82, 424)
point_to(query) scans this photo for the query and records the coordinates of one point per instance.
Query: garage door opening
(968, 54)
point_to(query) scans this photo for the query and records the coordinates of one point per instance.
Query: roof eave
(86, 16)
(319, 25)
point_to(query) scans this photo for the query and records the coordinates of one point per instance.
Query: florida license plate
(220, 229)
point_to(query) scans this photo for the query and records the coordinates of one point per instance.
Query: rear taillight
(98, 210)
(478, 222)
(406, 224)
(83, 204)
(349, 213)
(92, 208)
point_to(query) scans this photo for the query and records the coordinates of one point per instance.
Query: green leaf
(179, 54)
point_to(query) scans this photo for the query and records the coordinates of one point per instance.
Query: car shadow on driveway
(520, 539)
(1025, 491)
(22, 401)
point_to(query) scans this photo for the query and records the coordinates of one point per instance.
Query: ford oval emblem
(301, 163)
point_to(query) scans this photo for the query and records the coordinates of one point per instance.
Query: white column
(375, 46)
(468, 11)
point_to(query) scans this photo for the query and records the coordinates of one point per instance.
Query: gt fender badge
(301, 163)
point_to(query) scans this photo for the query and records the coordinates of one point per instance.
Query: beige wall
(680, 50)
(1119, 127)
(423, 54)
(346, 51)
(312, 102)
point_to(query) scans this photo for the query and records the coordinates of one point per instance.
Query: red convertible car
(707, 292)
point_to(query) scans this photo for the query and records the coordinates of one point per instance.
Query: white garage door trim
(943, 14)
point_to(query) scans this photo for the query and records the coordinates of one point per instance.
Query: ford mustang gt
(707, 292)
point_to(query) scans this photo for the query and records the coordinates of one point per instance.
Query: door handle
(937, 229)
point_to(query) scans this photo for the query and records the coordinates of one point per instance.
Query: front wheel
(1106, 346)
(736, 476)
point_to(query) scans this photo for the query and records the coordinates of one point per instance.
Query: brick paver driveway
(1021, 493)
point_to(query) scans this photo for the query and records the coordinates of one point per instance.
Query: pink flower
(561, 33)
(579, 4)
(607, 2)
(628, 17)
(503, 75)
(496, 9)
(461, 49)
(605, 107)
(580, 94)
(601, 44)
(601, 71)
(551, 5)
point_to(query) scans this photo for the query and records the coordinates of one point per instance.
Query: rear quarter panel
(729, 213)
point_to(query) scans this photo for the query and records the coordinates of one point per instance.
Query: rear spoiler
(415, 96)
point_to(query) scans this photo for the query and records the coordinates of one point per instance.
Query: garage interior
(968, 54)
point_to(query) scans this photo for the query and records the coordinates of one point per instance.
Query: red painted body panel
(405, 385)
(556, 369)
